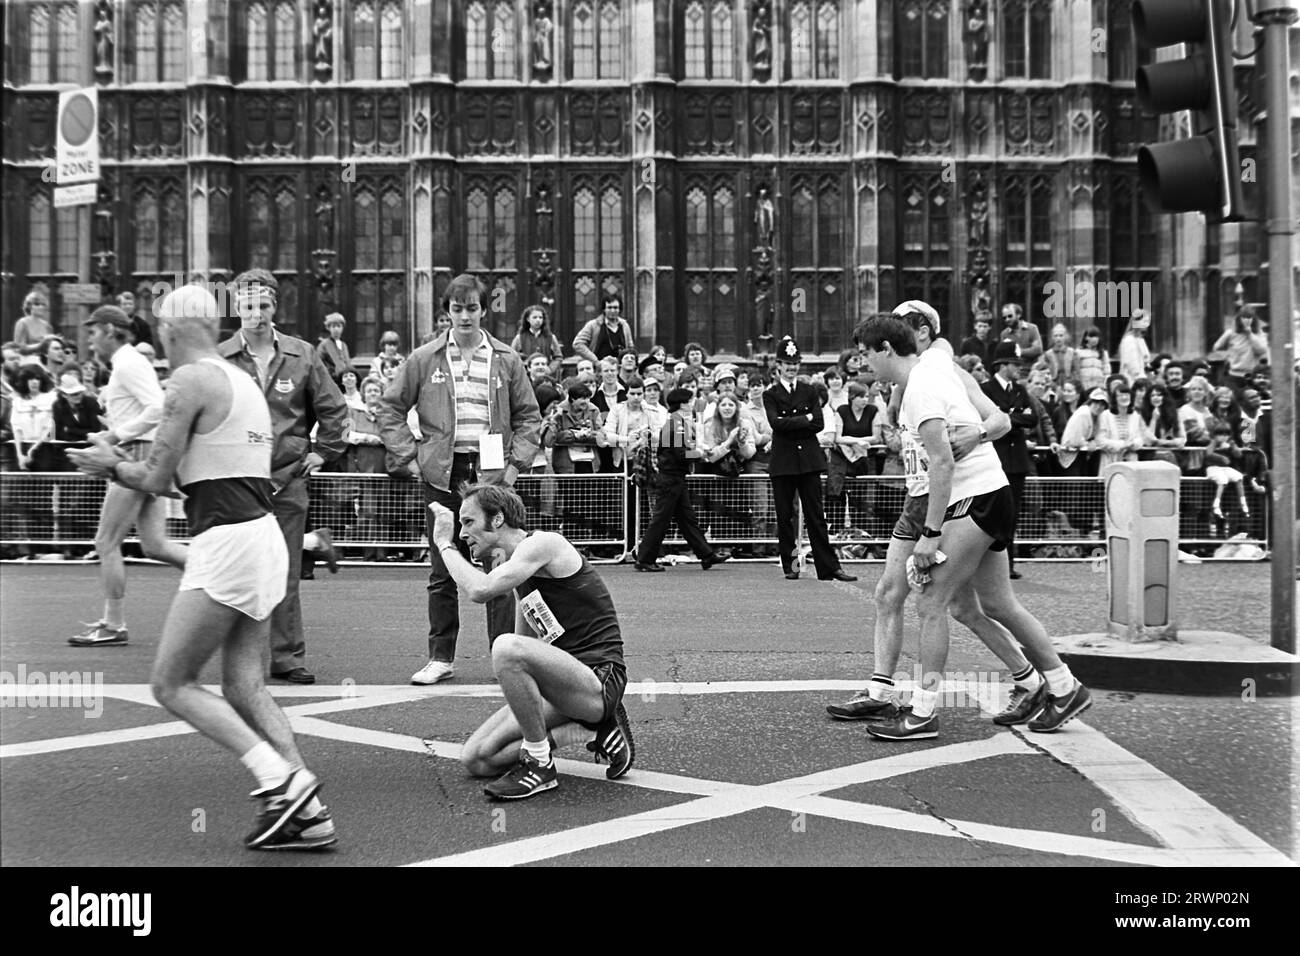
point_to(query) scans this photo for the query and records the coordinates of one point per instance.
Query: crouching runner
(562, 670)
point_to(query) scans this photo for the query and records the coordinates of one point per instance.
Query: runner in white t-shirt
(970, 517)
(876, 700)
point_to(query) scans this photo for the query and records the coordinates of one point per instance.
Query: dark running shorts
(994, 513)
(613, 681)
(912, 521)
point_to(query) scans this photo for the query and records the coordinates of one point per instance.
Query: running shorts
(613, 681)
(244, 566)
(994, 513)
(911, 522)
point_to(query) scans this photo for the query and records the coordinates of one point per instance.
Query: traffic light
(1201, 173)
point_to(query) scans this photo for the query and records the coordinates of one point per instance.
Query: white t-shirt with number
(916, 463)
(935, 392)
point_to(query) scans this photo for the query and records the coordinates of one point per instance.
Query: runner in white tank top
(215, 439)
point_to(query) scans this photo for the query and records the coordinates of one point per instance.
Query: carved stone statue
(543, 28)
(322, 31)
(977, 39)
(325, 217)
(104, 38)
(760, 38)
(979, 211)
(542, 210)
(764, 218)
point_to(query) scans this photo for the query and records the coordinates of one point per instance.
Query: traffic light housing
(1203, 172)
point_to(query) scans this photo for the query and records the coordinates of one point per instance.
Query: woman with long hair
(1246, 348)
(535, 335)
(1120, 430)
(726, 443)
(1161, 416)
(850, 457)
(1093, 360)
(351, 394)
(1068, 400)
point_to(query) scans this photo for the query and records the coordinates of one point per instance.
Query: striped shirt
(470, 373)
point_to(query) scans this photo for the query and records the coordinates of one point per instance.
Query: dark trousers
(288, 649)
(808, 488)
(444, 600)
(672, 500)
(1017, 495)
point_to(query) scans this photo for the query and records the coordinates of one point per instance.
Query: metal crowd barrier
(375, 517)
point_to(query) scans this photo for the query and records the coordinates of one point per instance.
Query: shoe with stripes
(524, 779)
(280, 804)
(906, 726)
(100, 635)
(1023, 705)
(614, 744)
(304, 833)
(861, 707)
(1058, 711)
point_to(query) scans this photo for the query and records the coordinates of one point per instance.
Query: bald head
(189, 315)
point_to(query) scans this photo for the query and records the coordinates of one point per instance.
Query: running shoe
(304, 833)
(1022, 705)
(99, 635)
(906, 726)
(524, 779)
(861, 706)
(279, 804)
(1058, 711)
(614, 744)
(433, 672)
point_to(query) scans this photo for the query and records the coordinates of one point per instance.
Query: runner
(876, 700)
(562, 670)
(970, 517)
(133, 404)
(214, 440)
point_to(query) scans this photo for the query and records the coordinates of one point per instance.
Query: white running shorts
(244, 566)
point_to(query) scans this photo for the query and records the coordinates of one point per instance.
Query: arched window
(711, 280)
(696, 39)
(379, 258)
(597, 32)
(258, 206)
(365, 227)
(490, 41)
(925, 225)
(144, 217)
(478, 229)
(173, 42)
(814, 40)
(363, 40)
(598, 229)
(391, 61)
(40, 234)
(611, 228)
(158, 42)
(146, 42)
(285, 63)
(257, 29)
(709, 40)
(69, 44)
(1027, 38)
(923, 39)
(503, 40)
(172, 234)
(286, 221)
(38, 44)
(584, 229)
(503, 227)
(476, 41)
(53, 49)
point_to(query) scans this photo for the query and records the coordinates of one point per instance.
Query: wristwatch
(984, 434)
(928, 532)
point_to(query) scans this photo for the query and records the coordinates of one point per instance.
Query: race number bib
(540, 617)
(916, 464)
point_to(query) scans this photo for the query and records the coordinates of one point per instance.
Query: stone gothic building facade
(735, 169)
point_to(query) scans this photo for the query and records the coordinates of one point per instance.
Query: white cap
(925, 308)
(189, 301)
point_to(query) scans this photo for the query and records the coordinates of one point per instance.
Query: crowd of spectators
(603, 407)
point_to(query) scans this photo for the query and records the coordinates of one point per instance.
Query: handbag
(643, 465)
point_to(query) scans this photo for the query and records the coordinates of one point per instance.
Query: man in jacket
(607, 335)
(1024, 333)
(333, 351)
(797, 464)
(301, 395)
(1009, 395)
(479, 420)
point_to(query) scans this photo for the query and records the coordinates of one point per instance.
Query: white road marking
(1192, 830)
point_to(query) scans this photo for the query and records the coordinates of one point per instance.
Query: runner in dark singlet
(562, 670)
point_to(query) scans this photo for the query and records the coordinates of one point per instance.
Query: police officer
(795, 412)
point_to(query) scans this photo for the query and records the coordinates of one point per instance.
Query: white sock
(571, 733)
(540, 751)
(1060, 682)
(113, 612)
(923, 702)
(880, 689)
(266, 765)
(1030, 681)
(310, 542)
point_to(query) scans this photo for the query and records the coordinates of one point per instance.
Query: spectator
(1062, 359)
(1220, 461)
(1141, 388)
(1246, 347)
(1195, 416)
(837, 395)
(32, 420)
(850, 458)
(726, 443)
(388, 367)
(301, 396)
(1023, 332)
(610, 391)
(536, 338)
(974, 365)
(352, 396)
(333, 351)
(1006, 392)
(1202, 368)
(459, 420)
(141, 331)
(539, 370)
(441, 324)
(657, 354)
(1224, 408)
(585, 371)
(1174, 382)
(1120, 430)
(980, 344)
(607, 334)
(12, 510)
(1079, 437)
(654, 390)
(1093, 359)
(574, 433)
(92, 376)
(365, 455)
(1261, 381)
(627, 365)
(1254, 461)
(1164, 426)
(1067, 403)
(34, 324)
(76, 412)
(53, 352)
(631, 423)
(13, 360)
(390, 344)
(672, 498)
(850, 364)
(695, 356)
(650, 367)
(1134, 353)
(1042, 399)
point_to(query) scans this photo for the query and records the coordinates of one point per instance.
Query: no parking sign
(77, 150)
